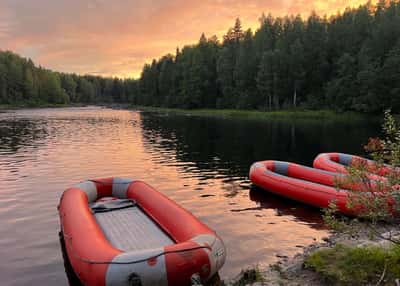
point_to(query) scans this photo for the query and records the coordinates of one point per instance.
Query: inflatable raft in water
(338, 162)
(308, 185)
(335, 162)
(121, 232)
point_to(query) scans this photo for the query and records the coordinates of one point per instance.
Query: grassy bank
(253, 114)
(298, 114)
(247, 277)
(345, 265)
(37, 105)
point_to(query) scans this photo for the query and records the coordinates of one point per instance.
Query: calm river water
(201, 163)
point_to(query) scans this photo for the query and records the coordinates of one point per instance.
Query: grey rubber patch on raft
(281, 167)
(120, 187)
(149, 275)
(89, 188)
(334, 174)
(345, 159)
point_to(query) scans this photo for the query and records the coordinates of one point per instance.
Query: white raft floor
(131, 229)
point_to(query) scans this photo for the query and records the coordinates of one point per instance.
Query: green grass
(293, 114)
(344, 265)
(253, 114)
(36, 105)
(249, 276)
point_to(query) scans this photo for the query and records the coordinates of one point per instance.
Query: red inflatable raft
(334, 162)
(123, 232)
(300, 183)
(338, 162)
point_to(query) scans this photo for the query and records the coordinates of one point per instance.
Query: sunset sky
(115, 38)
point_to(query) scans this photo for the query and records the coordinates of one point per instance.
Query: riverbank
(294, 114)
(4, 107)
(364, 256)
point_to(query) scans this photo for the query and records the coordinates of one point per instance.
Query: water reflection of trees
(18, 133)
(229, 146)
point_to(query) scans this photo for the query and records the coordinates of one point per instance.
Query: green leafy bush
(374, 188)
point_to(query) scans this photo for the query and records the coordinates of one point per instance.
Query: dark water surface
(202, 163)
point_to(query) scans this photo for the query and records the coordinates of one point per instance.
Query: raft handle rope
(89, 261)
(112, 205)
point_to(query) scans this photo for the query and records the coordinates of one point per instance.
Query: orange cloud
(115, 38)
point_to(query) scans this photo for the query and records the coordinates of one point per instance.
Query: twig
(383, 275)
(377, 233)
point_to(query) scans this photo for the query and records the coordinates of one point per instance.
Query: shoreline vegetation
(340, 259)
(290, 114)
(5, 107)
(298, 114)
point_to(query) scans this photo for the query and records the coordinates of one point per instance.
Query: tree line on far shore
(350, 61)
(22, 83)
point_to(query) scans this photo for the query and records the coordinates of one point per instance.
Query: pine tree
(69, 85)
(245, 73)
(3, 84)
(390, 78)
(343, 88)
(296, 69)
(234, 34)
(266, 78)
(225, 67)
